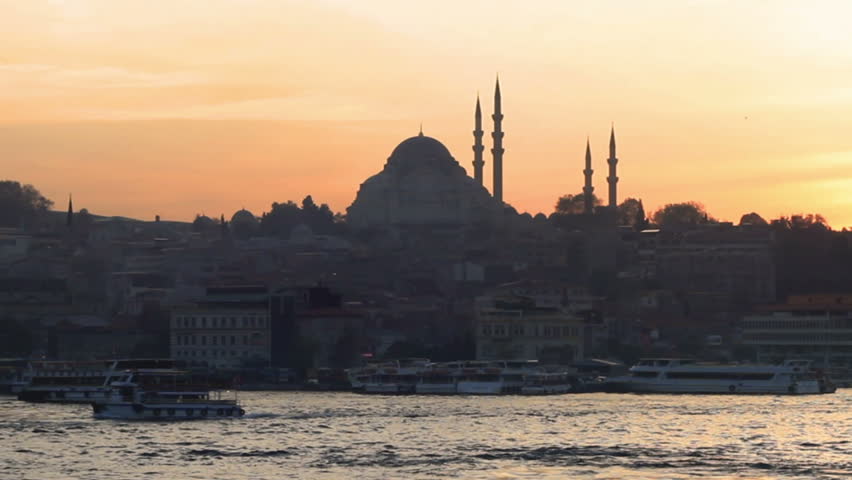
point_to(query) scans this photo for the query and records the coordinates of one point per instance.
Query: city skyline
(243, 104)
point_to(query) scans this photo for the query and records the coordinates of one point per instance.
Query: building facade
(817, 327)
(219, 337)
(515, 328)
(229, 328)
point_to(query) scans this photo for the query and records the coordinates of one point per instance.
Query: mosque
(422, 184)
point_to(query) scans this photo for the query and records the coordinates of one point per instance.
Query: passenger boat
(546, 383)
(672, 375)
(440, 379)
(164, 394)
(391, 377)
(461, 378)
(76, 382)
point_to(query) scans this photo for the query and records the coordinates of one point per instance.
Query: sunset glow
(180, 108)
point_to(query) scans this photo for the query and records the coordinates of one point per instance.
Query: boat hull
(480, 388)
(388, 388)
(545, 389)
(140, 411)
(436, 389)
(801, 388)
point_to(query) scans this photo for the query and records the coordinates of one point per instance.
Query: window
(213, 339)
(233, 340)
(193, 339)
(203, 322)
(245, 339)
(204, 339)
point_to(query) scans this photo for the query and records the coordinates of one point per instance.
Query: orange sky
(175, 108)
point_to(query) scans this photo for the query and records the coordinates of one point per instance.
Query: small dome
(243, 216)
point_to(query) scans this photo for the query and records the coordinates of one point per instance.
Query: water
(342, 435)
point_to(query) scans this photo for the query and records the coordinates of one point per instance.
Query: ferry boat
(459, 378)
(547, 383)
(76, 382)
(439, 379)
(495, 377)
(164, 394)
(673, 375)
(391, 377)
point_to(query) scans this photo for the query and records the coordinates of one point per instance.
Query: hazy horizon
(189, 108)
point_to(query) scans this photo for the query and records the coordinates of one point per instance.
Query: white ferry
(75, 382)
(547, 383)
(439, 379)
(460, 377)
(673, 375)
(391, 377)
(164, 394)
(495, 377)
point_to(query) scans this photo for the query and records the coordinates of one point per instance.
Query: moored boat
(463, 378)
(672, 375)
(76, 381)
(546, 383)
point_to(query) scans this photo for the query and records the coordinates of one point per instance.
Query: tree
(753, 219)
(631, 212)
(574, 204)
(809, 256)
(682, 214)
(281, 219)
(20, 204)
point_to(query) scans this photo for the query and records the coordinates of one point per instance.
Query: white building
(222, 337)
(818, 327)
(516, 327)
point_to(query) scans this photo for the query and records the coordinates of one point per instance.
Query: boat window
(644, 374)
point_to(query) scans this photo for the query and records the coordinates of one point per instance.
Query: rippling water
(342, 435)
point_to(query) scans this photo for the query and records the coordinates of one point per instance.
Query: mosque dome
(243, 216)
(419, 150)
(421, 184)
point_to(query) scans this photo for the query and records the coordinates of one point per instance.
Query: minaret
(612, 179)
(69, 219)
(477, 143)
(588, 199)
(497, 150)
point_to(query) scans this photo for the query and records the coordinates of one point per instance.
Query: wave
(212, 452)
